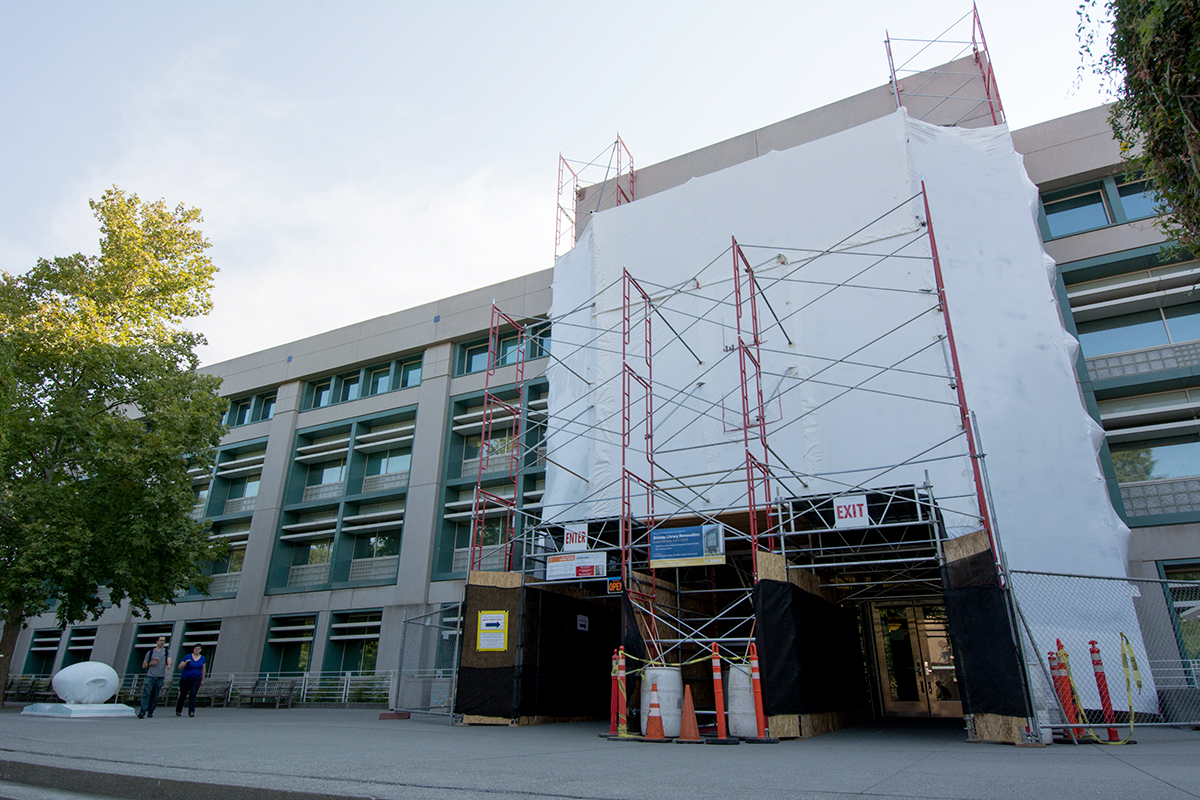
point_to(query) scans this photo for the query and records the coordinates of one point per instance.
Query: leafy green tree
(101, 408)
(1153, 55)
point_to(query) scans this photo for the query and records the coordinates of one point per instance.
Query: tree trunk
(13, 621)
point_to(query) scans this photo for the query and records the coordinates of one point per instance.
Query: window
(322, 393)
(1156, 459)
(389, 462)
(349, 390)
(289, 644)
(474, 358)
(1099, 204)
(353, 642)
(239, 412)
(1184, 601)
(1139, 330)
(325, 473)
(1077, 209)
(381, 546)
(1138, 199)
(379, 380)
(410, 374)
(266, 407)
(243, 487)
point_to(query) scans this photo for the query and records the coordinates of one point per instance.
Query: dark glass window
(1137, 199)
(1126, 332)
(322, 393)
(1080, 208)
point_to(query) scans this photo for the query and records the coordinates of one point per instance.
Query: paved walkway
(265, 754)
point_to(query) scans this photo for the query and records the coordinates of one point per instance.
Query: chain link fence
(1145, 629)
(429, 653)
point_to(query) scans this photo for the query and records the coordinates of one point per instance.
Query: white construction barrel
(670, 698)
(739, 698)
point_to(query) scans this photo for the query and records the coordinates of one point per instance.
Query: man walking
(156, 663)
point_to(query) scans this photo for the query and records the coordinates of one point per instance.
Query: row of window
(1098, 204)
(473, 356)
(250, 409)
(352, 644)
(366, 382)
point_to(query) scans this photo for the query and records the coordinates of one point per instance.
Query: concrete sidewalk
(268, 754)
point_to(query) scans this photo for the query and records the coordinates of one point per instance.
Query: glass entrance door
(916, 661)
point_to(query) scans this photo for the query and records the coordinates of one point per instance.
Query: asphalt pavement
(312, 754)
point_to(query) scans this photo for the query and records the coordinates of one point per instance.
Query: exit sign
(850, 511)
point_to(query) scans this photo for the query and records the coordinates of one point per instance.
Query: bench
(133, 692)
(19, 687)
(215, 692)
(278, 690)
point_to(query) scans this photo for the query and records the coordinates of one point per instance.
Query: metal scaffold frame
(612, 170)
(957, 82)
(758, 469)
(484, 501)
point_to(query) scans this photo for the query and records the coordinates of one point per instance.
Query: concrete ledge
(136, 787)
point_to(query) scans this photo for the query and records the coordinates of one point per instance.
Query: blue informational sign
(687, 547)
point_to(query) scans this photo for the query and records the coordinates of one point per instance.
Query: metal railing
(1164, 496)
(308, 574)
(239, 504)
(225, 583)
(388, 480)
(317, 688)
(322, 491)
(1140, 362)
(374, 569)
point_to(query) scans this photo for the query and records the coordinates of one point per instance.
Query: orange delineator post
(758, 704)
(719, 692)
(1062, 685)
(613, 699)
(622, 719)
(1102, 685)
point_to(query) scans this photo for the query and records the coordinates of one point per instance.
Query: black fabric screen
(989, 668)
(485, 691)
(809, 652)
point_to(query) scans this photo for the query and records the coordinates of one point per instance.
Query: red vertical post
(963, 410)
(719, 693)
(753, 406)
(1102, 685)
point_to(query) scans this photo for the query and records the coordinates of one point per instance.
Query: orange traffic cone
(689, 731)
(654, 726)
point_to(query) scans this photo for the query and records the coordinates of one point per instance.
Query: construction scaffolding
(952, 70)
(892, 552)
(612, 170)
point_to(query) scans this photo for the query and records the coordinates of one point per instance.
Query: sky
(356, 158)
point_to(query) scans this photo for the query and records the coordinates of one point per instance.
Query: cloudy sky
(356, 158)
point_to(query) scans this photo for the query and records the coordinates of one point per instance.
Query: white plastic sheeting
(856, 371)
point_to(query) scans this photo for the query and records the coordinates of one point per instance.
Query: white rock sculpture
(86, 682)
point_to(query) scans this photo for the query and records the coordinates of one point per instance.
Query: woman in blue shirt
(190, 681)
